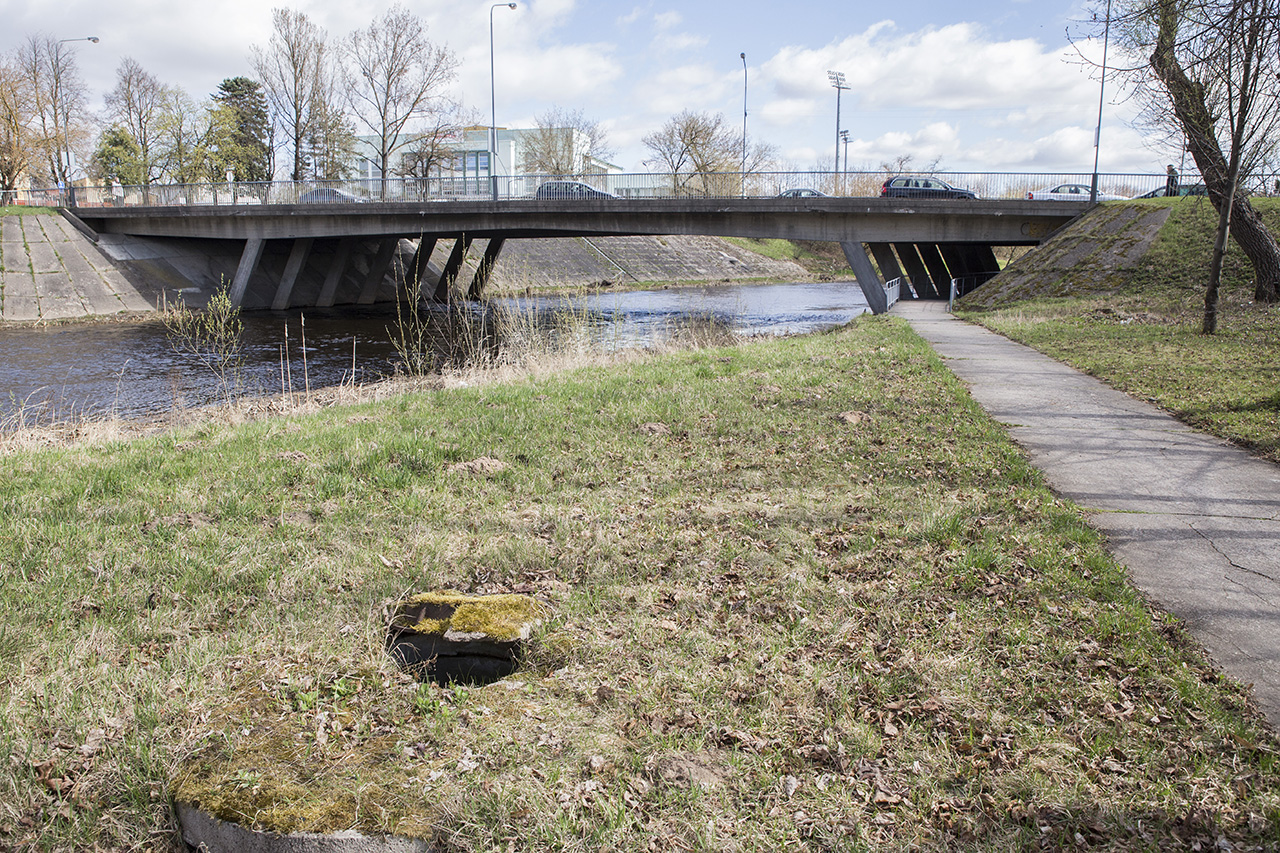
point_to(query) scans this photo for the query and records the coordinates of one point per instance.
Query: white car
(1071, 192)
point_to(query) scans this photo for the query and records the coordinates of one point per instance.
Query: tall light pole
(1102, 88)
(493, 105)
(66, 130)
(844, 137)
(744, 124)
(837, 80)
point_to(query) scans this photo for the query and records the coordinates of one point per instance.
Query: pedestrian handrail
(647, 185)
(966, 283)
(892, 292)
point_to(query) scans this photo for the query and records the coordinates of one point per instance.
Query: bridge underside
(364, 253)
(924, 270)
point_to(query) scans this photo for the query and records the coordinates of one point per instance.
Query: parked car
(1071, 192)
(1183, 189)
(570, 189)
(801, 192)
(328, 195)
(920, 186)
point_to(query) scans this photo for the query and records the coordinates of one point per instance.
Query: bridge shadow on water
(130, 370)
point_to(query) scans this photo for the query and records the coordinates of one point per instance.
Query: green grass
(804, 594)
(22, 210)
(1143, 336)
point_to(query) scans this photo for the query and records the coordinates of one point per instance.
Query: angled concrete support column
(910, 257)
(451, 268)
(938, 272)
(984, 258)
(248, 263)
(337, 267)
(491, 253)
(417, 266)
(955, 258)
(883, 253)
(378, 271)
(872, 286)
(297, 260)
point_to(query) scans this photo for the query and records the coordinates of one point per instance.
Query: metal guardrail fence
(994, 185)
(892, 292)
(965, 284)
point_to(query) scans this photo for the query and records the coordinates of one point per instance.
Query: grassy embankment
(804, 594)
(1142, 336)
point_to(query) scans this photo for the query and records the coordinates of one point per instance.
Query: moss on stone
(502, 617)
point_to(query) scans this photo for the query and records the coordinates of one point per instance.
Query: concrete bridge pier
(337, 268)
(249, 258)
(451, 268)
(865, 272)
(491, 253)
(297, 260)
(419, 264)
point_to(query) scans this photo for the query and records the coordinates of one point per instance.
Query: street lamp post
(838, 81)
(66, 131)
(493, 105)
(844, 137)
(1102, 88)
(744, 124)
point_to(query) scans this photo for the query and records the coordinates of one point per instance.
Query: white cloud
(667, 20)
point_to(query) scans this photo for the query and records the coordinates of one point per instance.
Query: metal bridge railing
(719, 185)
(965, 284)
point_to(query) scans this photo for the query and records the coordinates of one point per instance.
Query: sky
(996, 86)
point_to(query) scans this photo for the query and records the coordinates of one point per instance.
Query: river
(130, 370)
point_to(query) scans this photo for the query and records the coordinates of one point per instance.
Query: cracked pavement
(1196, 520)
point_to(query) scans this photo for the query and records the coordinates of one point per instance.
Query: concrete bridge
(926, 241)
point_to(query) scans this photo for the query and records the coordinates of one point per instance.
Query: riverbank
(802, 591)
(1128, 310)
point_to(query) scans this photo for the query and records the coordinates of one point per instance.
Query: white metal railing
(719, 185)
(892, 292)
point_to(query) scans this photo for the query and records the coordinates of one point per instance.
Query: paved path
(1196, 520)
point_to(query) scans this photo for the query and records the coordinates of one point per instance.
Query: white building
(470, 157)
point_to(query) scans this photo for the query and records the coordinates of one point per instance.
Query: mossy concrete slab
(446, 636)
(19, 304)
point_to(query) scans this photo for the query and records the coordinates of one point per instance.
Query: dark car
(802, 192)
(919, 186)
(570, 189)
(1183, 189)
(328, 195)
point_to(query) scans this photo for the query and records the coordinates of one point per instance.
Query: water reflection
(130, 370)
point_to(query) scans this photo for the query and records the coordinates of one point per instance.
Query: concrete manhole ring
(203, 832)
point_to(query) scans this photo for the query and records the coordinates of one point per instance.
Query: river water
(131, 370)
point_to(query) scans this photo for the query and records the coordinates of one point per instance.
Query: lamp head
(93, 39)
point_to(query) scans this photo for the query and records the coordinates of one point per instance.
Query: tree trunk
(1188, 99)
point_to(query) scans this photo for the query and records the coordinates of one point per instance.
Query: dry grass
(803, 592)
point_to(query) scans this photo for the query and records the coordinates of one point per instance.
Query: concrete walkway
(1196, 520)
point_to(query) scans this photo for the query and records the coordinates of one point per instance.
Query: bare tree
(183, 136)
(331, 138)
(291, 69)
(435, 146)
(61, 121)
(565, 143)
(138, 103)
(704, 155)
(1213, 76)
(16, 139)
(398, 80)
